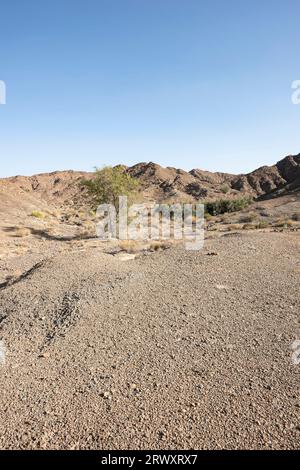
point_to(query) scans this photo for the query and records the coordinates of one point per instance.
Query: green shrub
(225, 188)
(262, 224)
(38, 214)
(221, 206)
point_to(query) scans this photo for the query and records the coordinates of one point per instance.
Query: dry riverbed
(171, 350)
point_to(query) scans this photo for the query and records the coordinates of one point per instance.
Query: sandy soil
(172, 350)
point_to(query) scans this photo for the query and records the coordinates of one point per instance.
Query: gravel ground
(173, 350)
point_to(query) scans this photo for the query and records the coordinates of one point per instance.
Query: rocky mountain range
(158, 183)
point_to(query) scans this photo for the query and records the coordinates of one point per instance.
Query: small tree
(110, 183)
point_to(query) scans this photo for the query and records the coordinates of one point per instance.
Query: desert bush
(85, 234)
(221, 206)
(284, 223)
(87, 230)
(110, 183)
(249, 227)
(262, 224)
(289, 223)
(233, 227)
(53, 213)
(56, 214)
(225, 188)
(247, 218)
(38, 214)
(207, 216)
(21, 232)
(136, 246)
(159, 245)
(130, 246)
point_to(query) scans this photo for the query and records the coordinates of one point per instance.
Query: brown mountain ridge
(158, 183)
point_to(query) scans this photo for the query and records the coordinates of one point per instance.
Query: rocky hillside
(158, 183)
(271, 180)
(200, 184)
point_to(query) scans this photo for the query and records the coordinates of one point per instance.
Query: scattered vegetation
(221, 206)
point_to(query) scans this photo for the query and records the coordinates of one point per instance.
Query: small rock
(45, 354)
(133, 386)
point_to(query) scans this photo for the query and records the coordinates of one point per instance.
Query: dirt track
(173, 350)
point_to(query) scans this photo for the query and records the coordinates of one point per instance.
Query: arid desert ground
(162, 349)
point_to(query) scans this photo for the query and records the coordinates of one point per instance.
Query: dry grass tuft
(233, 227)
(55, 213)
(131, 246)
(38, 214)
(160, 245)
(14, 276)
(262, 224)
(247, 218)
(21, 232)
(249, 227)
(136, 246)
(283, 223)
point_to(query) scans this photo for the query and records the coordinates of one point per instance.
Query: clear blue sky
(186, 83)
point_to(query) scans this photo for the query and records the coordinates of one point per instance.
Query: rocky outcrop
(271, 180)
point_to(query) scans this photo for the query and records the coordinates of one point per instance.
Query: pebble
(45, 354)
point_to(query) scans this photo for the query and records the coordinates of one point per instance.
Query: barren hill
(274, 180)
(63, 187)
